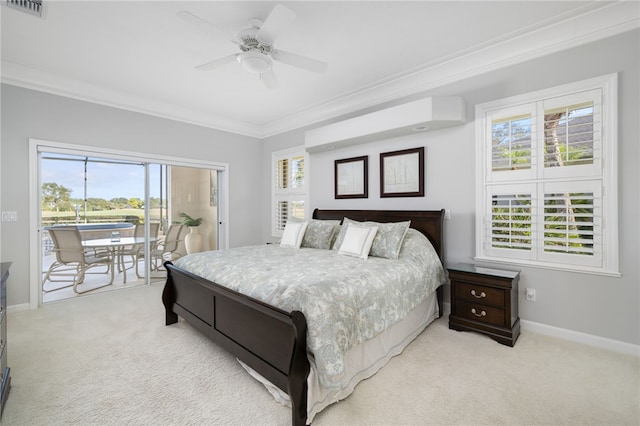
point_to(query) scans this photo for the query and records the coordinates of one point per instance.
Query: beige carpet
(108, 359)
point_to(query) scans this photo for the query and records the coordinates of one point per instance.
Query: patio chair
(167, 249)
(73, 261)
(137, 250)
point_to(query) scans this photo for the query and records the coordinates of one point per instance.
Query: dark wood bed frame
(269, 340)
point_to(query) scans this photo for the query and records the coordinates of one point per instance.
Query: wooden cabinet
(485, 300)
(5, 384)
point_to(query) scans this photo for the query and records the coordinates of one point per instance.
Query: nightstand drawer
(475, 293)
(480, 313)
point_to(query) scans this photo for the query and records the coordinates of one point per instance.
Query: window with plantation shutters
(547, 178)
(289, 188)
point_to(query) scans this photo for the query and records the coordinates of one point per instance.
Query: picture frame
(351, 177)
(402, 173)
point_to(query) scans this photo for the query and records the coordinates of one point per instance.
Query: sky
(104, 180)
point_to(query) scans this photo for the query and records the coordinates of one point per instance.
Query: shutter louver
(569, 223)
(511, 221)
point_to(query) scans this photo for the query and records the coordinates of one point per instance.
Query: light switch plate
(9, 216)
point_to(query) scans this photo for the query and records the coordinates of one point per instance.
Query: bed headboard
(429, 222)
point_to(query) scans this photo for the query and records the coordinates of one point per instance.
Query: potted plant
(193, 240)
(189, 221)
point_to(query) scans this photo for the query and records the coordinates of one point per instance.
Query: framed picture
(351, 176)
(402, 173)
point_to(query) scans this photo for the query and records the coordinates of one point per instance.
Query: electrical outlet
(530, 294)
(447, 214)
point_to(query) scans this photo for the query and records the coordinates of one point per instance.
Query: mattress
(361, 361)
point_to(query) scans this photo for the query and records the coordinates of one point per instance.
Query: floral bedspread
(345, 300)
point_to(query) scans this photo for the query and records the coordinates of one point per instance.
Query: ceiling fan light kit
(255, 62)
(257, 46)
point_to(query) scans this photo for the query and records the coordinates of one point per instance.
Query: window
(547, 178)
(289, 187)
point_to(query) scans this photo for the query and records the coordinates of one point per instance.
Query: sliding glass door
(125, 209)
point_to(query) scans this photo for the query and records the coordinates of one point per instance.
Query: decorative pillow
(293, 234)
(340, 235)
(388, 240)
(319, 234)
(334, 238)
(357, 240)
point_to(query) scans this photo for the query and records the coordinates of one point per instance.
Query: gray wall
(602, 306)
(31, 114)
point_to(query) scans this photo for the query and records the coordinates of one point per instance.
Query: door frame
(38, 145)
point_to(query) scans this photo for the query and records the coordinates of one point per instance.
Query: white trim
(18, 308)
(38, 145)
(599, 20)
(579, 337)
(35, 267)
(43, 81)
(570, 335)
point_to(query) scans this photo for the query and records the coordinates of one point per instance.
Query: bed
(271, 339)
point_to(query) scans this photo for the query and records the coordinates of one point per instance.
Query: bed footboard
(269, 340)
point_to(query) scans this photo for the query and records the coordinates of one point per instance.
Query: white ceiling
(140, 56)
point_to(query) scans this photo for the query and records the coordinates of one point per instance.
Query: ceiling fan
(257, 46)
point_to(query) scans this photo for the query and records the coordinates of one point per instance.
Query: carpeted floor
(108, 359)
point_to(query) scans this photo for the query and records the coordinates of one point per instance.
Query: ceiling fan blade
(205, 26)
(279, 18)
(299, 61)
(269, 79)
(217, 63)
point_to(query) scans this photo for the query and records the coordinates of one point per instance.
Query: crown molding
(595, 24)
(598, 21)
(31, 78)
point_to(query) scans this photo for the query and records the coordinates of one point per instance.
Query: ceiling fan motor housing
(254, 57)
(251, 41)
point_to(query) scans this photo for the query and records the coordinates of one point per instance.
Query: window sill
(551, 266)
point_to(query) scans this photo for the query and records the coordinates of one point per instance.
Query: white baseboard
(578, 337)
(18, 308)
(572, 336)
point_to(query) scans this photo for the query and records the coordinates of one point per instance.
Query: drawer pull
(474, 294)
(481, 314)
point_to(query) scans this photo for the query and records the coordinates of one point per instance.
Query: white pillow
(357, 240)
(293, 234)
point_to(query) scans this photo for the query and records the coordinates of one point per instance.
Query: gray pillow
(388, 240)
(319, 234)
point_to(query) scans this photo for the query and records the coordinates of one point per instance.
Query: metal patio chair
(73, 261)
(167, 249)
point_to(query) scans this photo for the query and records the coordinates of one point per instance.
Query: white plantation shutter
(573, 223)
(547, 178)
(289, 188)
(510, 222)
(572, 129)
(510, 133)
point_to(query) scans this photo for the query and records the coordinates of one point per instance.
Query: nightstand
(485, 300)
